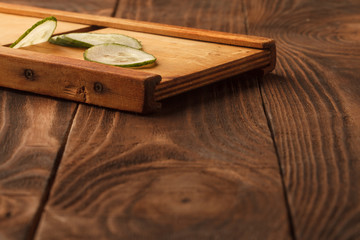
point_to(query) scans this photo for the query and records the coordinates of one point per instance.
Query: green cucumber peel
(87, 40)
(30, 36)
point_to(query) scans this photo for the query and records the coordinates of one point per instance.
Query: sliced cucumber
(60, 40)
(86, 40)
(38, 33)
(118, 55)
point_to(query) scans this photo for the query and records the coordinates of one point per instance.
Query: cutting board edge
(78, 80)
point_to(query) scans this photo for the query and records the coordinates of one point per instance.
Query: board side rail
(78, 80)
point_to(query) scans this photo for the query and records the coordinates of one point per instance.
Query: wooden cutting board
(186, 59)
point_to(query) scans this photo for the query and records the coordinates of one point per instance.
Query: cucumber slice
(60, 40)
(38, 33)
(118, 55)
(86, 40)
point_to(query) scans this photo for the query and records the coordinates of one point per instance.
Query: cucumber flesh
(118, 55)
(38, 33)
(86, 40)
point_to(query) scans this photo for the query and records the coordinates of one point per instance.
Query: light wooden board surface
(205, 57)
(183, 64)
(13, 26)
(176, 57)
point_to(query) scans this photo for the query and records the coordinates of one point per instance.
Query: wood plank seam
(243, 6)
(270, 127)
(116, 6)
(37, 218)
(57, 162)
(281, 172)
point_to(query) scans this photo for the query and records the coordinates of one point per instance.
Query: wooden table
(274, 157)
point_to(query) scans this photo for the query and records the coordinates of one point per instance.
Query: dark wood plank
(197, 170)
(103, 7)
(32, 132)
(226, 15)
(203, 168)
(312, 102)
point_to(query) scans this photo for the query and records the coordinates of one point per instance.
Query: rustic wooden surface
(273, 157)
(33, 133)
(103, 8)
(313, 105)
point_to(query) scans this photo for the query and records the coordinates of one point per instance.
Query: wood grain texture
(198, 14)
(103, 7)
(195, 171)
(312, 103)
(32, 131)
(205, 167)
(78, 80)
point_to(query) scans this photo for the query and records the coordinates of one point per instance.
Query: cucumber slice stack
(107, 48)
(118, 55)
(86, 40)
(38, 33)
(112, 49)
